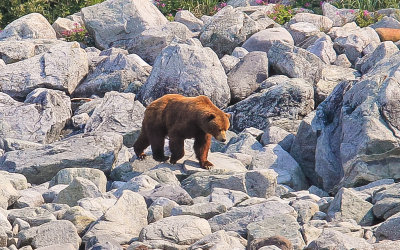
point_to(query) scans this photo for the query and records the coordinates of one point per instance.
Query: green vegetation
(370, 5)
(282, 13)
(365, 18)
(51, 9)
(197, 7)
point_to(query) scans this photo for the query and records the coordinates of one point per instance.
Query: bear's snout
(221, 137)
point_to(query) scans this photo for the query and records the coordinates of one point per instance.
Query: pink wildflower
(259, 1)
(307, 5)
(365, 12)
(223, 4)
(163, 5)
(351, 11)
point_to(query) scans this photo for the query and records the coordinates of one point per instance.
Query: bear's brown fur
(277, 240)
(181, 118)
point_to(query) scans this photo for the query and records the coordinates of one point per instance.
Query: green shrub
(370, 5)
(51, 9)
(197, 7)
(314, 5)
(78, 34)
(281, 13)
(365, 18)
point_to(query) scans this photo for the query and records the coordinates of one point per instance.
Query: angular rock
(383, 51)
(238, 218)
(220, 161)
(29, 198)
(188, 69)
(219, 240)
(386, 22)
(339, 16)
(175, 193)
(323, 23)
(264, 39)
(123, 221)
(239, 52)
(18, 181)
(78, 189)
(97, 206)
(295, 62)
(34, 26)
(305, 210)
(227, 29)
(66, 176)
(34, 216)
(41, 164)
(348, 205)
(163, 176)
(228, 62)
(331, 77)
(54, 232)
(128, 19)
(182, 230)
(323, 48)
(300, 31)
(276, 135)
(120, 113)
(342, 61)
(102, 242)
(8, 194)
(386, 201)
(229, 198)
(64, 25)
(283, 224)
(149, 43)
(331, 239)
(40, 119)
(161, 208)
(283, 105)
(52, 192)
(187, 18)
(274, 157)
(116, 72)
(247, 75)
(79, 217)
(202, 210)
(137, 184)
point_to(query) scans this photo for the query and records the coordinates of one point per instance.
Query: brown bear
(181, 118)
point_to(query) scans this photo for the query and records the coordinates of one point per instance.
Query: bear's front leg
(176, 146)
(202, 144)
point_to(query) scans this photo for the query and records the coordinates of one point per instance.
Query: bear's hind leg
(157, 146)
(176, 146)
(202, 144)
(141, 144)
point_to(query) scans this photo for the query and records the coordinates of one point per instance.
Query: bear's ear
(228, 115)
(210, 117)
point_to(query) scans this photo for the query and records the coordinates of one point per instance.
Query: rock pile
(311, 160)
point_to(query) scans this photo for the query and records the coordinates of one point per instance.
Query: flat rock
(34, 216)
(78, 189)
(201, 210)
(41, 164)
(264, 39)
(219, 240)
(66, 176)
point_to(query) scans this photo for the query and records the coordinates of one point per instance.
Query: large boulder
(247, 75)
(31, 26)
(383, 51)
(181, 230)
(40, 118)
(187, 18)
(263, 40)
(79, 188)
(62, 68)
(115, 20)
(323, 23)
(67, 175)
(188, 69)
(283, 104)
(84, 150)
(295, 62)
(149, 43)
(339, 16)
(359, 128)
(123, 221)
(116, 72)
(120, 113)
(332, 239)
(227, 29)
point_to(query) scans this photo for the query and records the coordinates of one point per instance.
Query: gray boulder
(228, 62)
(149, 43)
(182, 230)
(339, 16)
(238, 218)
(283, 105)
(116, 72)
(188, 69)
(187, 18)
(31, 26)
(282, 224)
(29, 198)
(127, 18)
(202, 210)
(323, 23)
(301, 31)
(323, 48)
(386, 200)
(8, 194)
(35, 216)
(97, 206)
(229, 198)
(66, 176)
(389, 230)
(264, 39)
(349, 205)
(383, 51)
(62, 68)
(332, 239)
(295, 62)
(247, 75)
(162, 208)
(40, 118)
(227, 29)
(120, 113)
(123, 221)
(219, 240)
(276, 135)
(79, 188)
(386, 22)
(41, 164)
(175, 193)
(79, 217)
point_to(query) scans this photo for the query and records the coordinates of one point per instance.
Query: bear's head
(217, 124)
